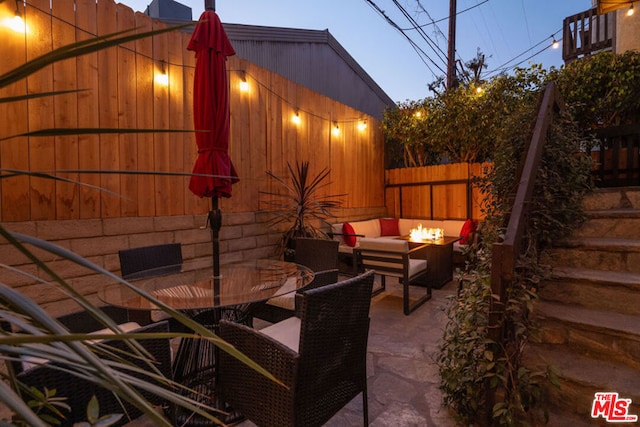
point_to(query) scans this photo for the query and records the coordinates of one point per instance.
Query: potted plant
(300, 205)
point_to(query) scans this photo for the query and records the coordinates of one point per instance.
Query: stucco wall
(627, 31)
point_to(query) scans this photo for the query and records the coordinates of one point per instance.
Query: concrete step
(596, 253)
(580, 378)
(602, 335)
(596, 289)
(612, 198)
(618, 223)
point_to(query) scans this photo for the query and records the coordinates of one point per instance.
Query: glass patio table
(240, 287)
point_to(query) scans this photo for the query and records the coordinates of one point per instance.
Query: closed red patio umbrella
(213, 173)
(211, 120)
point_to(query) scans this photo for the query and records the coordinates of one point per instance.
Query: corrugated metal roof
(312, 58)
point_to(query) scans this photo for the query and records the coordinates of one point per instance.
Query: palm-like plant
(299, 203)
(42, 336)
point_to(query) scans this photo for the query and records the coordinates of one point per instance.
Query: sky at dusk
(508, 32)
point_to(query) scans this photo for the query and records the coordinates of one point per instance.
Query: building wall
(627, 31)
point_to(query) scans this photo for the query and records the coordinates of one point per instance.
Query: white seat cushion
(286, 332)
(287, 300)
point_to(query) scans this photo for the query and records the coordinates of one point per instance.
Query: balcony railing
(587, 33)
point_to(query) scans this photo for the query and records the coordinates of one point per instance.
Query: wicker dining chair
(317, 254)
(148, 261)
(321, 256)
(283, 307)
(320, 357)
(79, 391)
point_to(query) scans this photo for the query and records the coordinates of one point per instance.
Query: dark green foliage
(601, 90)
(462, 125)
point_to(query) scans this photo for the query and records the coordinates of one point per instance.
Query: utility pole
(451, 59)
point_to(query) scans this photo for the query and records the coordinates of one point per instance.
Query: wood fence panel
(161, 149)
(243, 140)
(258, 124)
(121, 93)
(88, 113)
(145, 70)
(290, 131)
(192, 203)
(338, 160)
(319, 136)
(66, 112)
(279, 124)
(108, 106)
(127, 107)
(176, 51)
(41, 114)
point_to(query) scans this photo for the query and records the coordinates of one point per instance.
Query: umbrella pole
(215, 221)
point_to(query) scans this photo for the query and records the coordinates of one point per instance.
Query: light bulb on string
(296, 118)
(162, 77)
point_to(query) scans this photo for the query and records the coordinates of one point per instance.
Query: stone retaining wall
(243, 236)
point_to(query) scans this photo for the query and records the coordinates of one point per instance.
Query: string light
(162, 78)
(336, 129)
(16, 23)
(555, 44)
(296, 118)
(244, 85)
(630, 11)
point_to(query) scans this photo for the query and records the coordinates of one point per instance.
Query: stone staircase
(590, 310)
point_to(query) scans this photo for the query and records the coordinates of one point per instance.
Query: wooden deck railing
(506, 253)
(586, 33)
(617, 158)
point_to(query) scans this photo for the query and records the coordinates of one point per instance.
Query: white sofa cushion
(452, 227)
(369, 228)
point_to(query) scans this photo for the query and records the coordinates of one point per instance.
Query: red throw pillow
(468, 227)
(389, 227)
(349, 240)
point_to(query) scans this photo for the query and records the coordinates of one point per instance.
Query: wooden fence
(117, 90)
(435, 192)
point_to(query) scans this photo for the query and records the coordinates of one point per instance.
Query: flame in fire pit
(421, 234)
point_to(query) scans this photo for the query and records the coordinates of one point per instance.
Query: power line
(421, 53)
(446, 18)
(504, 66)
(433, 45)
